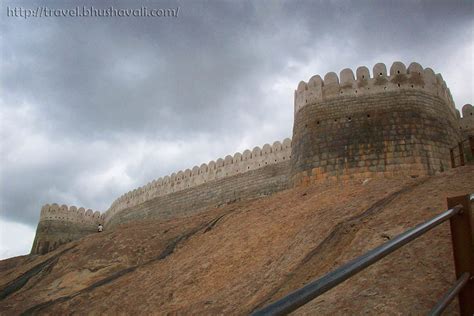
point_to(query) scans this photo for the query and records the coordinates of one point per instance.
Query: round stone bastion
(346, 127)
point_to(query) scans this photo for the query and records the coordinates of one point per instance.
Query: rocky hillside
(233, 259)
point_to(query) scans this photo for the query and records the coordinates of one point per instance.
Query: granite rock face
(235, 258)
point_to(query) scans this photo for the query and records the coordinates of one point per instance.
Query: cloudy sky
(91, 108)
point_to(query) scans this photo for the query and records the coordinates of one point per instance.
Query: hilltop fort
(396, 123)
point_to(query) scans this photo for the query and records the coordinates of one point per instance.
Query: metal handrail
(450, 295)
(312, 290)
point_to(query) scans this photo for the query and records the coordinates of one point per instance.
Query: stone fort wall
(254, 183)
(397, 124)
(61, 224)
(251, 174)
(227, 167)
(400, 123)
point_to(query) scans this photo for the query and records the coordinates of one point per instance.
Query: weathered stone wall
(220, 169)
(402, 124)
(252, 184)
(62, 224)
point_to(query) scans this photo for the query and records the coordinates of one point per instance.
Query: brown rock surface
(233, 259)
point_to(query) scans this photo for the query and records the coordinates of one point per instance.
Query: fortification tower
(61, 224)
(402, 123)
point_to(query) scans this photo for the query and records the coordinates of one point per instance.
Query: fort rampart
(254, 183)
(388, 124)
(251, 174)
(226, 167)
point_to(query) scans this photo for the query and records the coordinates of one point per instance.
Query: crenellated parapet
(214, 170)
(362, 83)
(70, 214)
(400, 122)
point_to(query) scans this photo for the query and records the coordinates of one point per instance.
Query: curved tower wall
(346, 127)
(61, 224)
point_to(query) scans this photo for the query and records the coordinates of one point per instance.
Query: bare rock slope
(234, 259)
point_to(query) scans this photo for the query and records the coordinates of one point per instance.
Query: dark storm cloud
(107, 74)
(143, 71)
(80, 94)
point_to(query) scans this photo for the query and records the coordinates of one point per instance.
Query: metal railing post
(463, 250)
(303, 295)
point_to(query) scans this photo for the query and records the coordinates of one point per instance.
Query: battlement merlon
(62, 224)
(72, 214)
(413, 77)
(239, 163)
